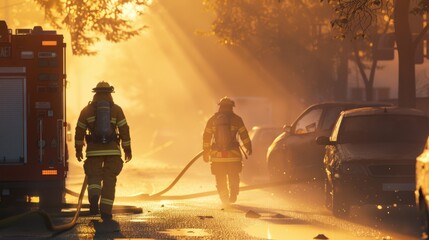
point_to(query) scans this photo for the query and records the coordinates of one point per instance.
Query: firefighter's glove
(206, 156)
(79, 154)
(128, 154)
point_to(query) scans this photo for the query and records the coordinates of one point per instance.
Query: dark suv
(294, 154)
(370, 157)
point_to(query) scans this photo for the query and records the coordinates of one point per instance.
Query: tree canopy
(294, 32)
(354, 17)
(87, 20)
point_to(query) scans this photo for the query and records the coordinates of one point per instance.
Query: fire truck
(33, 153)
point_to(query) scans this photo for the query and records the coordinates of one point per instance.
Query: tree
(294, 32)
(86, 20)
(355, 17)
(366, 50)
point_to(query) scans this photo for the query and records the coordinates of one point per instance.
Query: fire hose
(143, 196)
(156, 196)
(48, 221)
(60, 228)
(160, 195)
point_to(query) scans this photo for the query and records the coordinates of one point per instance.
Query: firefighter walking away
(222, 148)
(102, 125)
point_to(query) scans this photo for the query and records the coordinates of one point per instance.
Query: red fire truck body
(33, 154)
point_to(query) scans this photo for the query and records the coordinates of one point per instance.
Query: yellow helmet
(103, 87)
(226, 101)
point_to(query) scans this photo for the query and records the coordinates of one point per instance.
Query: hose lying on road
(156, 195)
(178, 176)
(159, 195)
(242, 188)
(49, 224)
(60, 228)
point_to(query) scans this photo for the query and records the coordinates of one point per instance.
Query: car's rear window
(383, 128)
(332, 114)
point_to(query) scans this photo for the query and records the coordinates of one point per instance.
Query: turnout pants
(227, 180)
(102, 172)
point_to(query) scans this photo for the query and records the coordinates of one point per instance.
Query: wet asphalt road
(275, 213)
(282, 212)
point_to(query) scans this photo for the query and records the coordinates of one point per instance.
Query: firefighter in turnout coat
(102, 125)
(222, 148)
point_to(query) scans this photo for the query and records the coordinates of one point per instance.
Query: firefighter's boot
(106, 206)
(106, 216)
(223, 195)
(222, 188)
(234, 186)
(233, 198)
(93, 205)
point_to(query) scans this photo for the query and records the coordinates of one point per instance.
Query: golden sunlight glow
(386, 18)
(131, 11)
(268, 232)
(168, 82)
(299, 231)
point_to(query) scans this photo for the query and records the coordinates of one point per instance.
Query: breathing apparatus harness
(103, 131)
(224, 140)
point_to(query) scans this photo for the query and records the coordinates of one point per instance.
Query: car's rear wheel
(424, 218)
(340, 204)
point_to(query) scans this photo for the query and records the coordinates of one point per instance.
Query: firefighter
(102, 125)
(222, 148)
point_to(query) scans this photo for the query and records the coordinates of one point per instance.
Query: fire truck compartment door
(12, 120)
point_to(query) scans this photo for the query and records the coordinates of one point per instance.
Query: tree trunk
(406, 67)
(369, 91)
(340, 89)
(368, 81)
